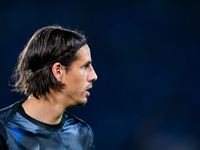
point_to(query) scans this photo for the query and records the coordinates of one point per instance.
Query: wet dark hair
(33, 74)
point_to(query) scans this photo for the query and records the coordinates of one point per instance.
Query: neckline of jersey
(52, 127)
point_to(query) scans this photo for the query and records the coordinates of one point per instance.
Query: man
(55, 71)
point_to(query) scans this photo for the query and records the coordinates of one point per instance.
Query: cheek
(81, 76)
(83, 72)
(77, 80)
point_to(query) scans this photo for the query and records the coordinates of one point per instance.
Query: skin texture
(75, 92)
(79, 79)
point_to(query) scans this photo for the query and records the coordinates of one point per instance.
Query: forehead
(84, 53)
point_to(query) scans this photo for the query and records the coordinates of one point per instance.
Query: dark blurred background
(146, 54)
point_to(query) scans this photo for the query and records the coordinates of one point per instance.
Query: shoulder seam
(13, 109)
(76, 118)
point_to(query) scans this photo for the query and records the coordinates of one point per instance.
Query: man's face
(79, 78)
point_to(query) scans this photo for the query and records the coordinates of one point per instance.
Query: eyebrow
(87, 62)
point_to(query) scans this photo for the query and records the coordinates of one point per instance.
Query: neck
(47, 110)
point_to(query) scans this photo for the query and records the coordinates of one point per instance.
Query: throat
(43, 111)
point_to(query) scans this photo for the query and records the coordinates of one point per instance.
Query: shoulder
(74, 118)
(81, 129)
(4, 113)
(77, 123)
(7, 112)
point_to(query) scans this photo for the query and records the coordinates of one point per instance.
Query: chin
(82, 102)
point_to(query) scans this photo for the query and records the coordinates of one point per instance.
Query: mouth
(87, 92)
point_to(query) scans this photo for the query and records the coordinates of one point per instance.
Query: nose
(92, 76)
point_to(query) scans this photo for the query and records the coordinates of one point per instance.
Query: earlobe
(57, 71)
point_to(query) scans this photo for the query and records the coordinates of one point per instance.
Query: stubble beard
(78, 98)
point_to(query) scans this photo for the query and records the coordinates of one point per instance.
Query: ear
(57, 70)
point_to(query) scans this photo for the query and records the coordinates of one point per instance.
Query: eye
(87, 65)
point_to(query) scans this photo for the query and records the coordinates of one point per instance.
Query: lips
(88, 93)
